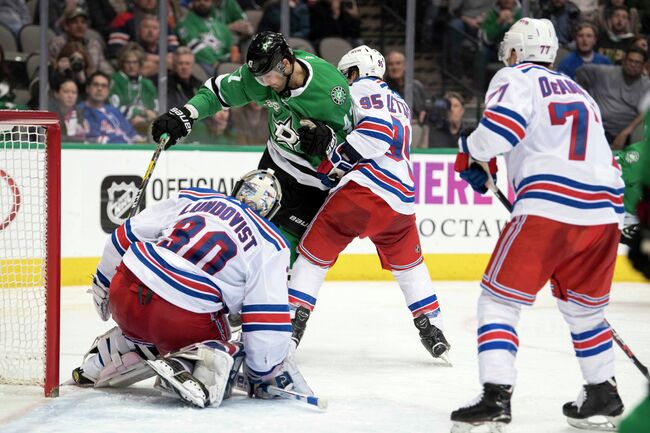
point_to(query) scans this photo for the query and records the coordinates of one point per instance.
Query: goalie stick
(241, 383)
(617, 338)
(164, 138)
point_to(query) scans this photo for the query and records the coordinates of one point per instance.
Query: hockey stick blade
(164, 139)
(241, 383)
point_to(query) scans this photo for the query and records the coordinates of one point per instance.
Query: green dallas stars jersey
(325, 97)
(628, 159)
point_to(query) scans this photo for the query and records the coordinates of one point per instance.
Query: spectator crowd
(104, 59)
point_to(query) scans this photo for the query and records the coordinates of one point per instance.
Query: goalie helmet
(260, 190)
(533, 41)
(369, 61)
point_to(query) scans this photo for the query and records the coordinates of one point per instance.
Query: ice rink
(361, 352)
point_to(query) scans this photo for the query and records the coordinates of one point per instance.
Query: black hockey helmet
(266, 50)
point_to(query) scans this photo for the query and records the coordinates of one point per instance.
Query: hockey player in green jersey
(293, 86)
(640, 244)
(629, 161)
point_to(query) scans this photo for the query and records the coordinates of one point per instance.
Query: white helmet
(260, 190)
(369, 61)
(533, 40)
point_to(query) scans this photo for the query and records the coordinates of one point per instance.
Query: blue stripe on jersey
(116, 243)
(569, 202)
(497, 345)
(303, 296)
(495, 327)
(507, 135)
(588, 334)
(173, 283)
(541, 68)
(102, 279)
(376, 120)
(129, 232)
(265, 307)
(569, 182)
(265, 327)
(594, 351)
(389, 175)
(423, 303)
(386, 186)
(509, 113)
(377, 135)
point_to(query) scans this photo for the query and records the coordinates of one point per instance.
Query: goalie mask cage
(30, 221)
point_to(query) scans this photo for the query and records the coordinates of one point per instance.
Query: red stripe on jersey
(594, 341)
(376, 127)
(498, 335)
(265, 317)
(122, 238)
(507, 122)
(382, 177)
(591, 196)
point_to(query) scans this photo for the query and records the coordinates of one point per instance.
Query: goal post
(30, 244)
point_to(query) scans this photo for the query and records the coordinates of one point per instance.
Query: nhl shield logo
(118, 193)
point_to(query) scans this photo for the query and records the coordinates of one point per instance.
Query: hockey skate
(299, 324)
(172, 377)
(491, 408)
(600, 402)
(432, 338)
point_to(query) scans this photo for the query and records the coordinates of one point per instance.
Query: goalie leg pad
(114, 361)
(213, 365)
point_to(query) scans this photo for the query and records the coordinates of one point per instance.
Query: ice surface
(360, 351)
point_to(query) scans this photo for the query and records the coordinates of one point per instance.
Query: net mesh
(23, 211)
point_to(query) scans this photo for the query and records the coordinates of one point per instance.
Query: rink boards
(458, 228)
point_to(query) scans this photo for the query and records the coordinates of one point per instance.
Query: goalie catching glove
(177, 122)
(285, 376)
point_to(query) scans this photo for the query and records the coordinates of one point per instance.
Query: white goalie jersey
(551, 134)
(206, 252)
(382, 136)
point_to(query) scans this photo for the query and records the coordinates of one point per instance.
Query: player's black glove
(640, 244)
(315, 137)
(177, 122)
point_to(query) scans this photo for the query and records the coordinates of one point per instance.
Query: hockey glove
(100, 299)
(473, 173)
(640, 244)
(177, 122)
(316, 138)
(285, 376)
(338, 162)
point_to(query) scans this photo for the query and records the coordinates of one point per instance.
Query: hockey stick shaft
(164, 138)
(624, 347)
(619, 341)
(241, 383)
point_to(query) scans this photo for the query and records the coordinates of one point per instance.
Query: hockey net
(30, 168)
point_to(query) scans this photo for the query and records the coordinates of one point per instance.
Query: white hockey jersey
(382, 135)
(551, 134)
(206, 252)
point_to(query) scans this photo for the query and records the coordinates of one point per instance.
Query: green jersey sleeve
(229, 90)
(629, 161)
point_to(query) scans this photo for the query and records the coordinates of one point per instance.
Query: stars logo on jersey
(338, 95)
(284, 134)
(632, 157)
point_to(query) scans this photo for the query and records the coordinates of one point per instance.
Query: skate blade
(486, 427)
(444, 358)
(596, 423)
(158, 366)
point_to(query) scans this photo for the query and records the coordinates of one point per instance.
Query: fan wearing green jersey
(293, 86)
